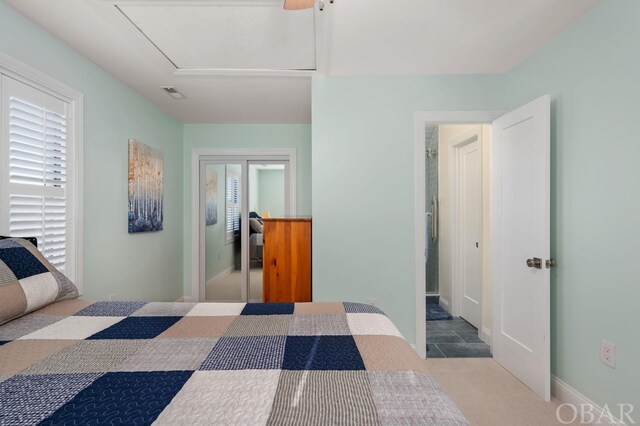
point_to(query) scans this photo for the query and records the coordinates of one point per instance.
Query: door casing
(421, 119)
(229, 155)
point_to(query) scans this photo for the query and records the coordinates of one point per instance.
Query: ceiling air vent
(173, 92)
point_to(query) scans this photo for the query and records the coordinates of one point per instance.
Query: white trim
(455, 262)
(324, 26)
(26, 74)
(420, 120)
(224, 154)
(568, 395)
(485, 335)
(444, 304)
(224, 72)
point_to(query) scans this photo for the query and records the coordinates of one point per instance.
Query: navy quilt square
(22, 263)
(110, 309)
(246, 353)
(122, 398)
(30, 399)
(268, 309)
(136, 328)
(322, 353)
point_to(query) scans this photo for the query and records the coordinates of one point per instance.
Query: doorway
(232, 191)
(456, 195)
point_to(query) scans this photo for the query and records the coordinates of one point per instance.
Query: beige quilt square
(388, 353)
(318, 308)
(19, 355)
(65, 307)
(198, 327)
(6, 275)
(17, 305)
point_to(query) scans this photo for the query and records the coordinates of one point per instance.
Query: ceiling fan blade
(298, 4)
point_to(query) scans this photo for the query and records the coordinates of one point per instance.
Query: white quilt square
(40, 290)
(73, 328)
(371, 324)
(239, 397)
(216, 309)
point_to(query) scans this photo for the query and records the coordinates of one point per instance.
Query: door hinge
(536, 262)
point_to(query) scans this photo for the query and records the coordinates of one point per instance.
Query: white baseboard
(485, 335)
(444, 303)
(568, 395)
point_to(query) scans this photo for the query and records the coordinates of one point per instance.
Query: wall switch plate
(608, 353)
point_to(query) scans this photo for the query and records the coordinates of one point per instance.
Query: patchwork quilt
(76, 362)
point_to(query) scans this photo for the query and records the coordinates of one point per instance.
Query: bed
(79, 362)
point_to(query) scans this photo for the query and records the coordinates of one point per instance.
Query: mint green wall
(143, 266)
(271, 192)
(592, 72)
(219, 254)
(244, 136)
(363, 128)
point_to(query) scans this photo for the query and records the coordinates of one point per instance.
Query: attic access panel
(224, 35)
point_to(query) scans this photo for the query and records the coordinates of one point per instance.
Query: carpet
(436, 313)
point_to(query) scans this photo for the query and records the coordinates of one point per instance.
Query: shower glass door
(431, 209)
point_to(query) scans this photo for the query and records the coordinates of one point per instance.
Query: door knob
(550, 263)
(536, 262)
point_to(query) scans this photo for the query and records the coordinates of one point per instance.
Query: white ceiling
(216, 51)
(226, 36)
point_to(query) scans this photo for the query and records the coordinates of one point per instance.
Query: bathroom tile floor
(454, 338)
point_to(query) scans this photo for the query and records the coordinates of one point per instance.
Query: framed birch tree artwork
(146, 173)
(211, 197)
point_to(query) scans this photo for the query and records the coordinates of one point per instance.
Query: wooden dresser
(286, 260)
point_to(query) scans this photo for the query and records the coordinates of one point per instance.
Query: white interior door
(470, 163)
(520, 243)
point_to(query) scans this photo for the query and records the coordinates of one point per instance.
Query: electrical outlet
(113, 297)
(608, 353)
(372, 302)
(219, 256)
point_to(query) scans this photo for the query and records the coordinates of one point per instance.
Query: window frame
(25, 74)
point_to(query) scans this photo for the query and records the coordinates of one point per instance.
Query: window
(38, 182)
(233, 203)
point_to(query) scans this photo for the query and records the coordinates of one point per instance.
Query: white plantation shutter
(233, 206)
(36, 156)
